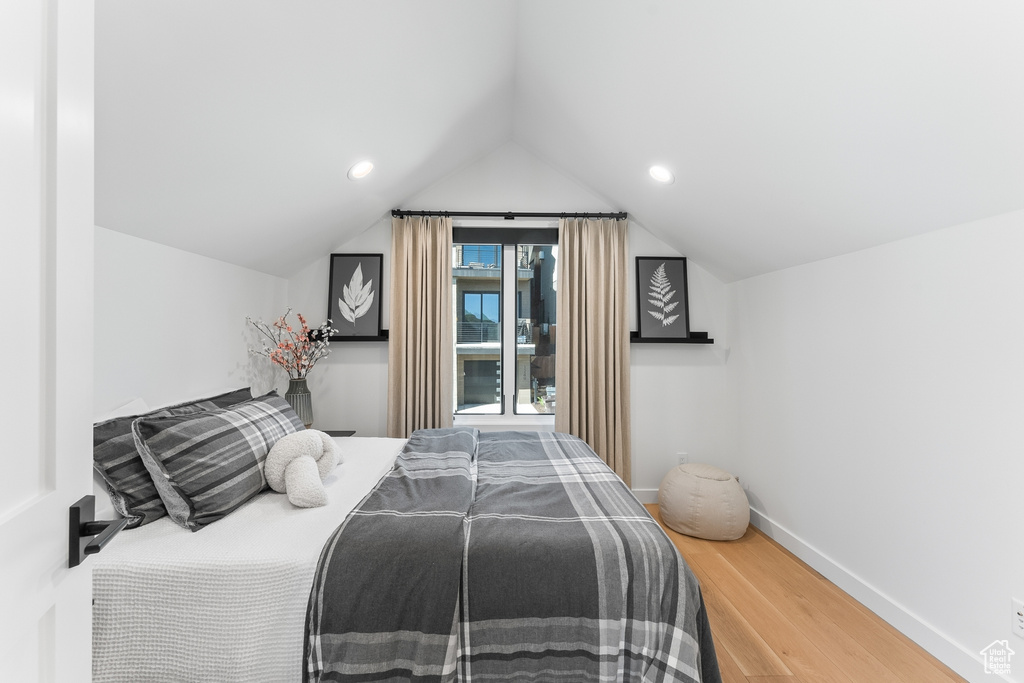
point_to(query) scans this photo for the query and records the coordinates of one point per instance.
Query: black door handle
(86, 534)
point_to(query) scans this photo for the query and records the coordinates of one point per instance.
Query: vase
(300, 400)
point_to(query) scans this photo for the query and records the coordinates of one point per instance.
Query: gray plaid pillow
(206, 465)
(117, 460)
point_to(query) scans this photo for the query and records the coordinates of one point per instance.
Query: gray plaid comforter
(503, 556)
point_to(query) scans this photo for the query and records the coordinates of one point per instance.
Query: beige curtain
(592, 370)
(420, 344)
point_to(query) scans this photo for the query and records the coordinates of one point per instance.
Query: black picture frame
(656, 292)
(366, 325)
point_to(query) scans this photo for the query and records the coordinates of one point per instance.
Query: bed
(424, 565)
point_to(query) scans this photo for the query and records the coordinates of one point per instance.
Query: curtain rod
(507, 215)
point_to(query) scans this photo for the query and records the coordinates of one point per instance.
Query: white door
(46, 238)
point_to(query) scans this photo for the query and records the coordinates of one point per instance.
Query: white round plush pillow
(704, 501)
(297, 465)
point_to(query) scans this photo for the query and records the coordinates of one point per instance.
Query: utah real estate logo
(997, 657)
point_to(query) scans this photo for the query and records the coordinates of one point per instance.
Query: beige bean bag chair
(703, 501)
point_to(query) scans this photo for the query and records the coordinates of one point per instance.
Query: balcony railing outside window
(481, 332)
(477, 332)
(479, 255)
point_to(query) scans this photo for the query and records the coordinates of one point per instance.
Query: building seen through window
(499, 309)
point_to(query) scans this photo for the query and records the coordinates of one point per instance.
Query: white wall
(680, 393)
(881, 417)
(350, 386)
(170, 325)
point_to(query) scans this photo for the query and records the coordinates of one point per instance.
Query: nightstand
(339, 432)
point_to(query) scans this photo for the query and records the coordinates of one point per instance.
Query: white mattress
(226, 603)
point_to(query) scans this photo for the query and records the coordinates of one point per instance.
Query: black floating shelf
(383, 336)
(694, 338)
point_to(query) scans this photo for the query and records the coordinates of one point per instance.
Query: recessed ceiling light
(360, 170)
(661, 174)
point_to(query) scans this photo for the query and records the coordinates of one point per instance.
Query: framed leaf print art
(353, 296)
(662, 311)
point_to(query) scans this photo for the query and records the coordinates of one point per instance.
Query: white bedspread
(226, 603)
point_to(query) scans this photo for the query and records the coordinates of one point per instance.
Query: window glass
(480, 255)
(520, 280)
(476, 278)
(536, 291)
(480, 317)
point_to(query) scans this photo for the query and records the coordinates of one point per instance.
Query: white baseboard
(941, 646)
(646, 495)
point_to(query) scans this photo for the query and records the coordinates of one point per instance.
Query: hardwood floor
(776, 620)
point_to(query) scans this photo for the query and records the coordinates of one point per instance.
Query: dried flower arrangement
(295, 350)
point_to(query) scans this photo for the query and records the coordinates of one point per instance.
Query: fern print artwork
(662, 313)
(660, 296)
(356, 298)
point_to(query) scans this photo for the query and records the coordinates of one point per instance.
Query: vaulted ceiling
(796, 129)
